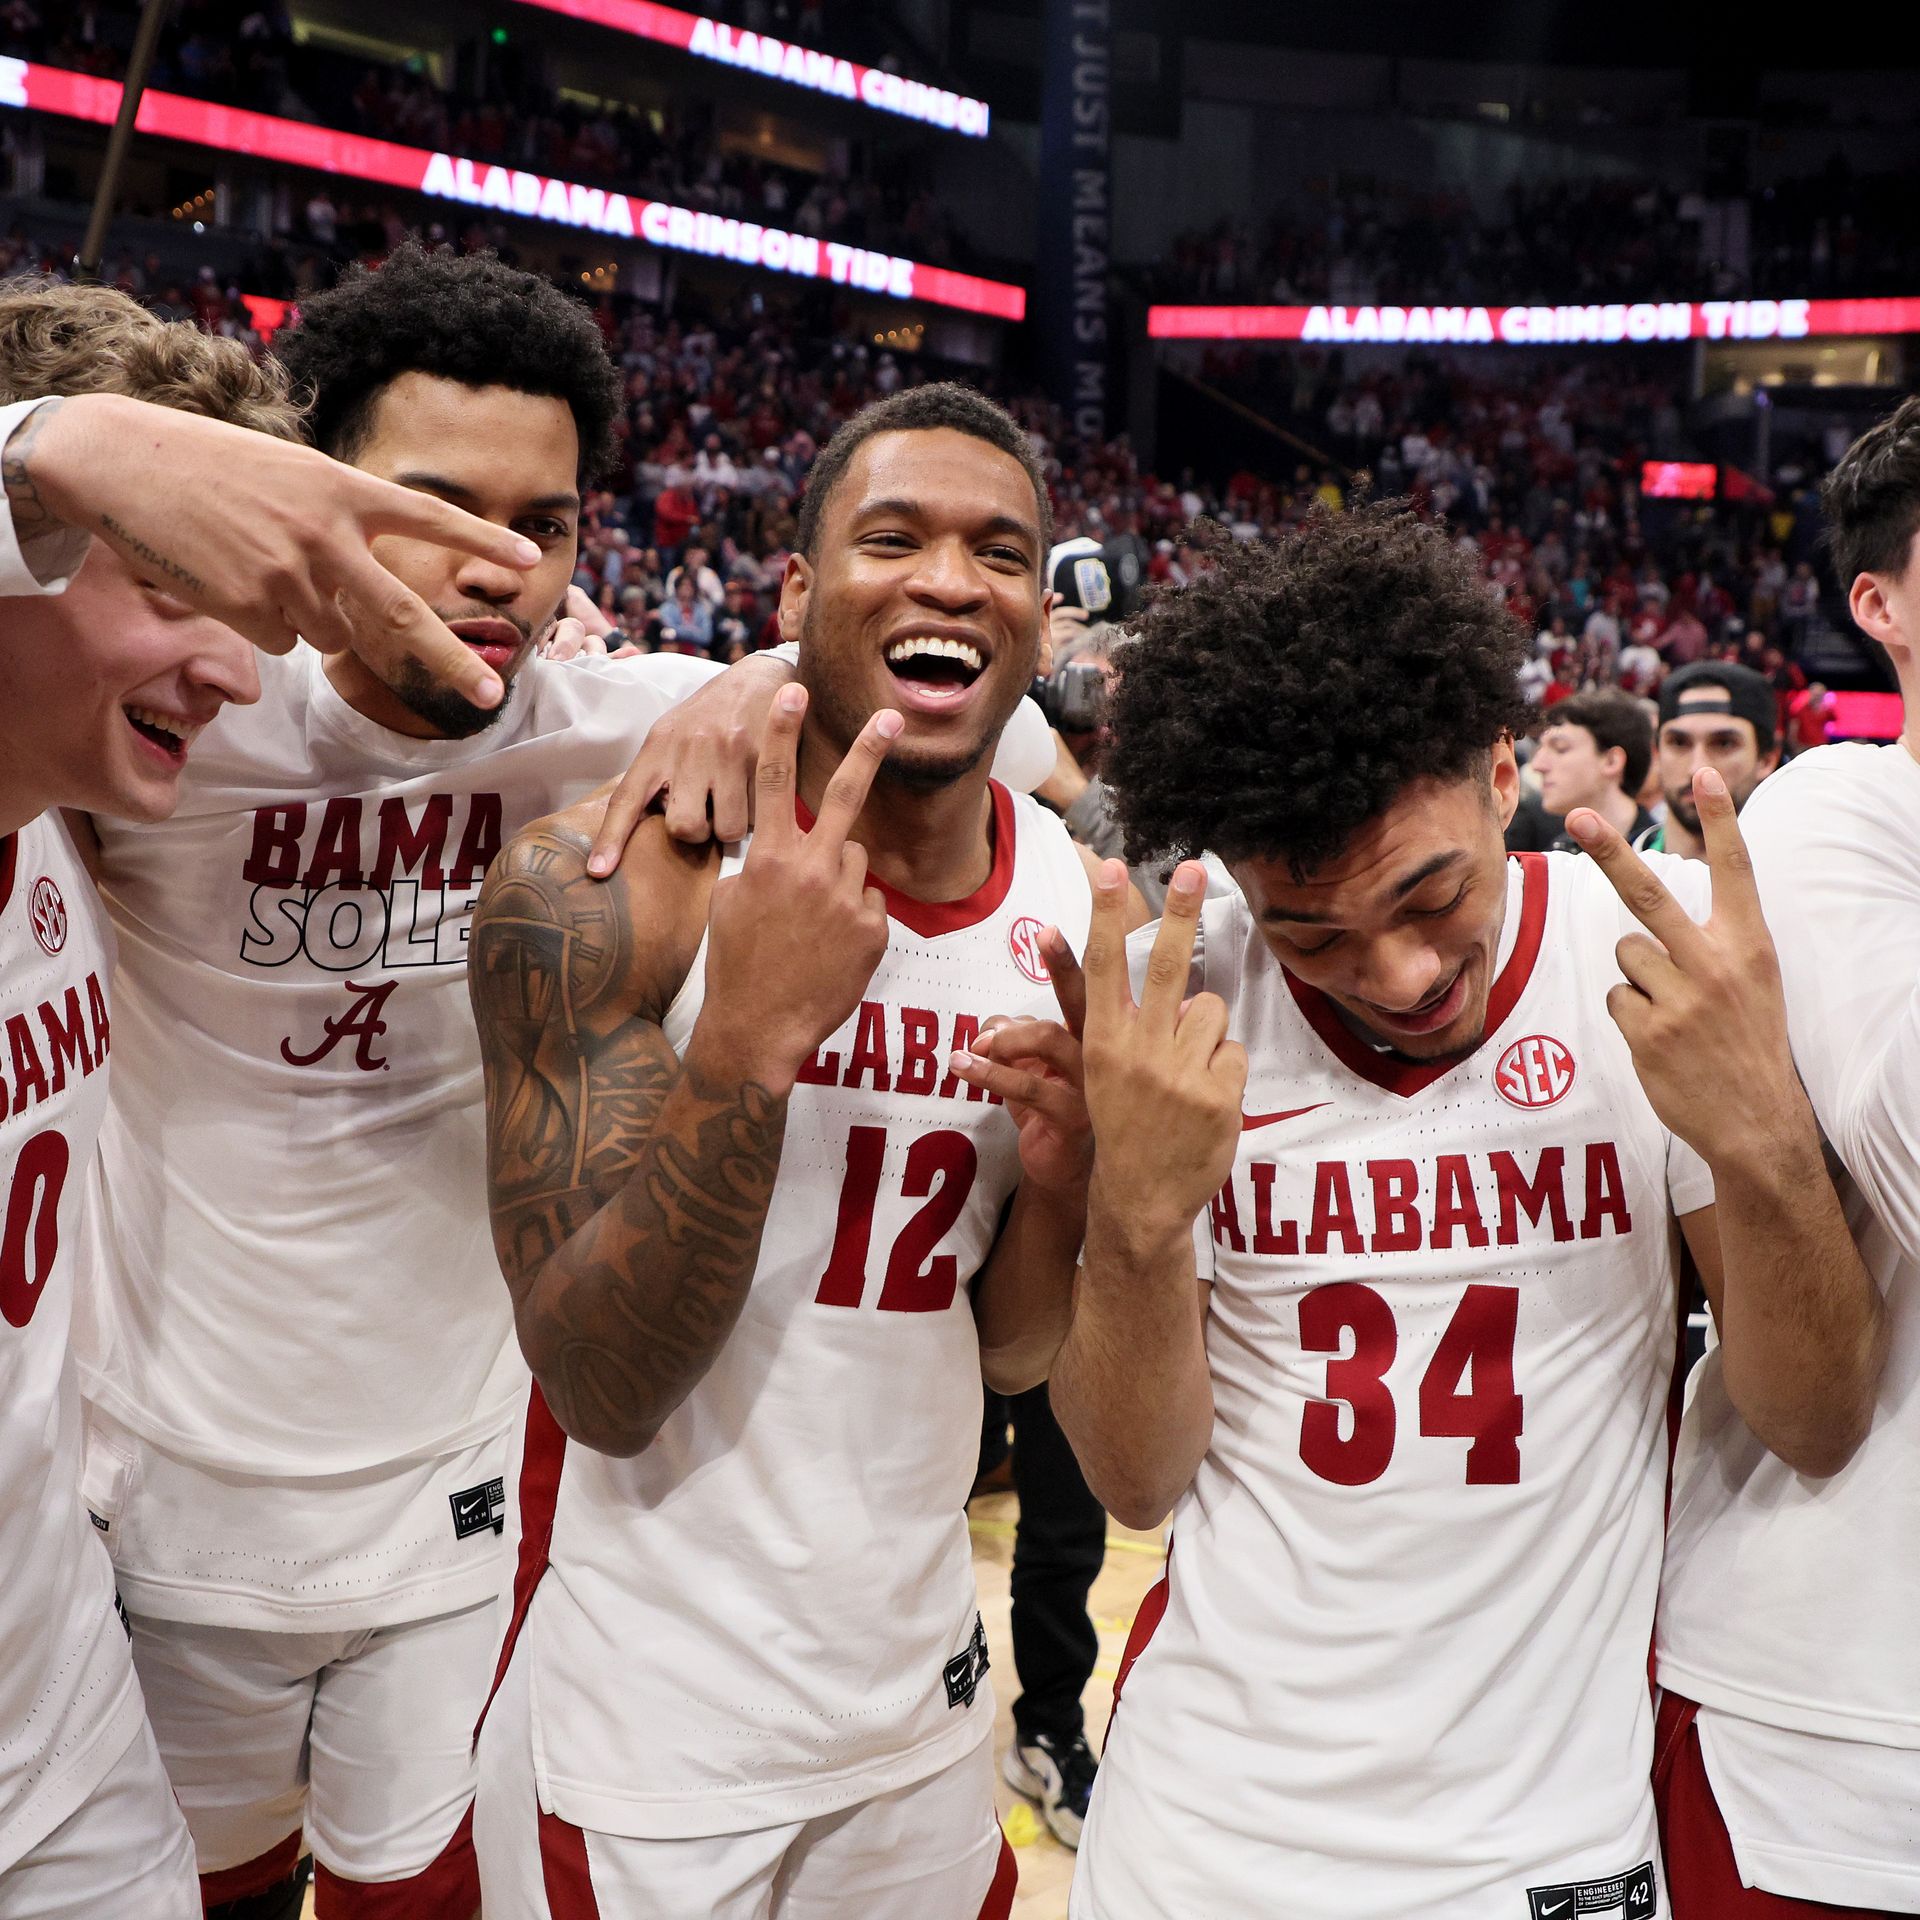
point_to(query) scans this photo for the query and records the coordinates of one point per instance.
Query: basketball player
(106, 672)
(759, 1221)
(1789, 1734)
(1410, 1418)
(300, 1373)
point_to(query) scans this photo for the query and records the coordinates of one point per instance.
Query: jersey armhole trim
(9, 865)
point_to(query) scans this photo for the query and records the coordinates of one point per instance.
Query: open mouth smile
(934, 673)
(165, 735)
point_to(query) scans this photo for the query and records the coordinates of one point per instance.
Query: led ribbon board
(533, 196)
(1586, 325)
(778, 59)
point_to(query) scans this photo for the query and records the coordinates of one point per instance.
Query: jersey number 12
(940, 1169)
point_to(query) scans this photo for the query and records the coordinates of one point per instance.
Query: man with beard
(759, 1220)
(300, 1374)
(157, 515)
(1715, 714)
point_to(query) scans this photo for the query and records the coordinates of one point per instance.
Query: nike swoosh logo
(1557, 1907)
(1249, 1121)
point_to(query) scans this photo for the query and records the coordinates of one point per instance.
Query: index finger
(1107, 990)
(1171, 962)
(847, 791)
(1068, 982)
(1640, 889)
(386, 508)
(1735, 894)
(774, 824)
(389, 622)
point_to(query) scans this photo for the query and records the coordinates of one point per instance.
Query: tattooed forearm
(629, 1194)
(125, 537)
(31, 514)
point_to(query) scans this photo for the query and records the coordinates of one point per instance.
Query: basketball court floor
(1132, 1566)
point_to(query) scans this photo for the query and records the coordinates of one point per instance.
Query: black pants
(1058, 1548)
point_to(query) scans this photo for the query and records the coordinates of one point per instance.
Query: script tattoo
(31, 515)
(125, 537)
(628, 1196)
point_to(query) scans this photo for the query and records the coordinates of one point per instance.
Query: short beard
(928, 776)
(451, 715)
(1682, 808)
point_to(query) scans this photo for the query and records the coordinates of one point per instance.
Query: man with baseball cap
(1712, 714)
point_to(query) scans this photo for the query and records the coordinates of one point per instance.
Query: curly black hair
(468, 318)
(1282, 700)
(940, 403)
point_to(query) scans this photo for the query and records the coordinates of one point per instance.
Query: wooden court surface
(1133, 1564)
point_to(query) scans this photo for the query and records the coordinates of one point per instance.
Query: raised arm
(1163, 1088)
(629, 1187)
(1803, 1330)
(269, 537)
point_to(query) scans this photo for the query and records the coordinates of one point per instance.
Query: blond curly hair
(59, 338)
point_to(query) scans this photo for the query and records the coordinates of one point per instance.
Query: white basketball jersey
(1399, 1662)
(68, 1703)
(302, 1355)
(770, 1613)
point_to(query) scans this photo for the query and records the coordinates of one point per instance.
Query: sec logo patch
(1534, 1072)
(47, 914)
(1023, 942)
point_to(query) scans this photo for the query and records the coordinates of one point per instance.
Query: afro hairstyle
(1280, 702)
(469, 318)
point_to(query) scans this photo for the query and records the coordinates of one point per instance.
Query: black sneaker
(1057, 1776)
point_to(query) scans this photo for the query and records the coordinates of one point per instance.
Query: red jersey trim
(540, 1463)
(9, 866)
(1407, 1077)
(931, 918)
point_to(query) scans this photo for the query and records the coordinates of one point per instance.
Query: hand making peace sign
(1701, 1006)
(796, 934)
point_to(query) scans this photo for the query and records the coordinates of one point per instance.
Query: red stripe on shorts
(998, 1905)
(251, 1876)
(540, 1464)
(564, 1871)
(447, 1889)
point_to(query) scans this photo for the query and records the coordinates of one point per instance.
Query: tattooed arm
(629, 1188)
(628, 1191)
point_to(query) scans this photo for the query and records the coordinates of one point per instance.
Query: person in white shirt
(1789, 1750)
(1392, 1166)
(298, 1370)
(135, 538)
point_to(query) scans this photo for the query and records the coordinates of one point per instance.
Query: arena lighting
(781, 60)
(1586, 325)
(1679, 479)
(478, 183)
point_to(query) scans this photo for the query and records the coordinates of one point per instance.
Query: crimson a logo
(1534, 1072)
(47, 914)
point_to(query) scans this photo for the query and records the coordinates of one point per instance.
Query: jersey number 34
(1466, 1393)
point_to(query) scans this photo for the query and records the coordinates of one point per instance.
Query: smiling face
(924, 595)
(507, 456)
(102, 690)
(1401, 929)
